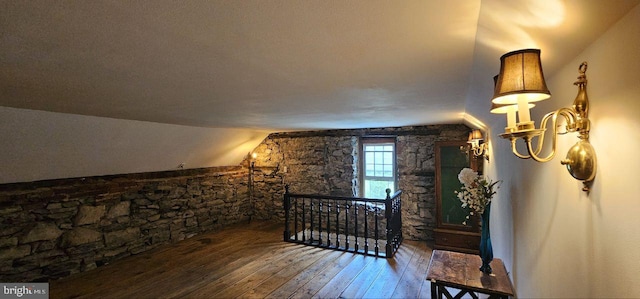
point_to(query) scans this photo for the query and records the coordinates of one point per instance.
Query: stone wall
(326, 162)
(54, 228)
(309, 165)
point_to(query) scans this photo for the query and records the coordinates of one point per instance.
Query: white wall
(37, 145)
(557, 240)
(613, 212)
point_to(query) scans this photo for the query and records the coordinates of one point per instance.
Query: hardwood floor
(252, 261)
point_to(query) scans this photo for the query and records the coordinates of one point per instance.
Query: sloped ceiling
(279, 65)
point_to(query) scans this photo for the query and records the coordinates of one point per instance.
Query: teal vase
(486, 251)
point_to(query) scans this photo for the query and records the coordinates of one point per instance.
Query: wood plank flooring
(252, 261)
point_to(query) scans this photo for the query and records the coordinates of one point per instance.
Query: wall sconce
(519, 84)
(478, 149)
(253, 159)
(266, 170)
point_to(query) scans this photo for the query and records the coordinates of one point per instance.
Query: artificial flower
(476, 191)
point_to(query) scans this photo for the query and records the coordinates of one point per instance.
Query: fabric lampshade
(520, 77)
(475, 135)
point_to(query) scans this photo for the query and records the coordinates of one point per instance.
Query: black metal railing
(361, 225)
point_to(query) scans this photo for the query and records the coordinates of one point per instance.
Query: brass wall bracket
(581, 159)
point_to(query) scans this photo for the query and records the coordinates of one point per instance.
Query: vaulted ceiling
(279, 65)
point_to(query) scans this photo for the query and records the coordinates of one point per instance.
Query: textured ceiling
(279, 65)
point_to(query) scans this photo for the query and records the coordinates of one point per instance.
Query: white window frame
(377, 141)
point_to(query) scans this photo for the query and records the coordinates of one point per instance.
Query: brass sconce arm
(570, 117)
(476, 146)
(480, 150)
(511, 94)
(515, 150)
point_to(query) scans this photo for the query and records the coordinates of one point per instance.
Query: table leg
(433, 290)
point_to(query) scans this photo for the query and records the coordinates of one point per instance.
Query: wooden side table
(461, 271)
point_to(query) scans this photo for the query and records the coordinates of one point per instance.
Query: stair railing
(361, 225)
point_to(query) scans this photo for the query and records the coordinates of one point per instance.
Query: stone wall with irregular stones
(326, 162)
(309, 165)
(55, 228)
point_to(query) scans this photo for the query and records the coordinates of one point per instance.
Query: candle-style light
(521, 83)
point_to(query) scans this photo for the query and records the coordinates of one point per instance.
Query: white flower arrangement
(476, 192)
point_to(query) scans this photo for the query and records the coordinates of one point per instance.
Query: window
(378, 167)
